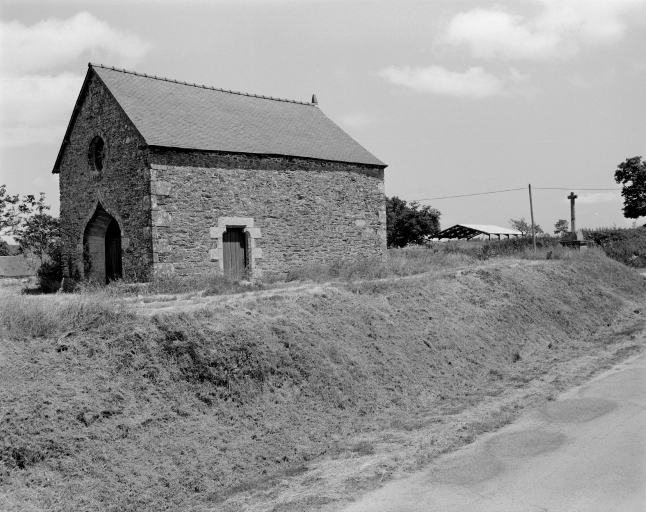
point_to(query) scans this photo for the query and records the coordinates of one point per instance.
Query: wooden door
(235, 251)
(112, 252)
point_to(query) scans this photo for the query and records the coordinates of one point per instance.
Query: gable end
(77, 109)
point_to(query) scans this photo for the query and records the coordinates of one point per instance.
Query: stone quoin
(164, 178)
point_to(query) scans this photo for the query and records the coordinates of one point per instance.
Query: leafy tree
(9, 211)
(38, 232)
(561, 227)
(525, 227)
(409, 223)
(632, 175)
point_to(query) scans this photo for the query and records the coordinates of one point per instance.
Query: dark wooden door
(112, 252)
(235, 251)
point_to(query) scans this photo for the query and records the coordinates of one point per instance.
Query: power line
(575, 188)
(514, 190)
(467, 195)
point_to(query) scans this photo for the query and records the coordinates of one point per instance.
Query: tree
(409, 223)
(561, 227)
(9, 211)
(39, 235)
(632, 175)
(38, 232)
(524, 227)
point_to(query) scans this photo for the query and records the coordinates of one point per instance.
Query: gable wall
(123, 187)
(303, 211)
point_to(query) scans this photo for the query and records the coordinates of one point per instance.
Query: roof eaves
(379, 166)
(77, 109)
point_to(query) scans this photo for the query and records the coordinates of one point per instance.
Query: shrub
(4, 248)
(517, 247)
(50, 272)
(627, 246)
(49, 275)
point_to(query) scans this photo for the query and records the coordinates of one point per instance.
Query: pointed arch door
(113, 252)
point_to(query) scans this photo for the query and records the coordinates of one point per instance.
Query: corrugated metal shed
(469, 231)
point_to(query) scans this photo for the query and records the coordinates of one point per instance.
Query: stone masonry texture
(122, 187)
(307, 211)
(170, 203)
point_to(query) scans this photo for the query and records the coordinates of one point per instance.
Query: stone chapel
(164, 178)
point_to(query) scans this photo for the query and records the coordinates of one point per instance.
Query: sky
(457, 97)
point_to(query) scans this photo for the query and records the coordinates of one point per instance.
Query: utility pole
(531, 210)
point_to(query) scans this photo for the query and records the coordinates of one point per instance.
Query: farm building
(160, 177)
(15, 267)
(469, 231)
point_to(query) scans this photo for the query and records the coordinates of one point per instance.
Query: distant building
(469, 231)
(15, 267)
(159, 178)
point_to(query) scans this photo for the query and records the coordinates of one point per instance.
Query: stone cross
(572, 197)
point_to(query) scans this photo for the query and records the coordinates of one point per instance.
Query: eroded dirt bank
(299, 401)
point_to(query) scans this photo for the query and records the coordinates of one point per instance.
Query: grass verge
(218, 407)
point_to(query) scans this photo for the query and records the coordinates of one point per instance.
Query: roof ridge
(229, 91)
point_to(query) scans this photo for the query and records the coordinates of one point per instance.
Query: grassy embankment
(118, 402)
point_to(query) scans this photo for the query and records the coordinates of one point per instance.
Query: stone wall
(294, 210)
(122, 188)
(172, 206)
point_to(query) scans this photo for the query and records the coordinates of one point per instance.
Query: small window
(96, 154)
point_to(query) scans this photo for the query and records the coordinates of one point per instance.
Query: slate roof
(175, 114)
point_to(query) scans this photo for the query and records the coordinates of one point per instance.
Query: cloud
(473, 83)
(599, 197)
(51, 43)
(37, 93)
(490, 33)
(559, 30)
(36, 109)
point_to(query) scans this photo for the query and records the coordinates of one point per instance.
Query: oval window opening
(97, 153)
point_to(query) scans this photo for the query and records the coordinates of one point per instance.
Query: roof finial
(314, 100)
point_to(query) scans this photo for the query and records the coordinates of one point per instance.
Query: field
(299, 393)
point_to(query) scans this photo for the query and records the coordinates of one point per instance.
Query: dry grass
(214, 409)
(26, 317)
(409, 261)
(400, 262)
(213, 284)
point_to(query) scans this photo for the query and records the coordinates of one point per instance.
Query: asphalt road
(586, 451)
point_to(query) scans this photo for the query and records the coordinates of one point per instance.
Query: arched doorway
(112, 252)
(102, 248)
